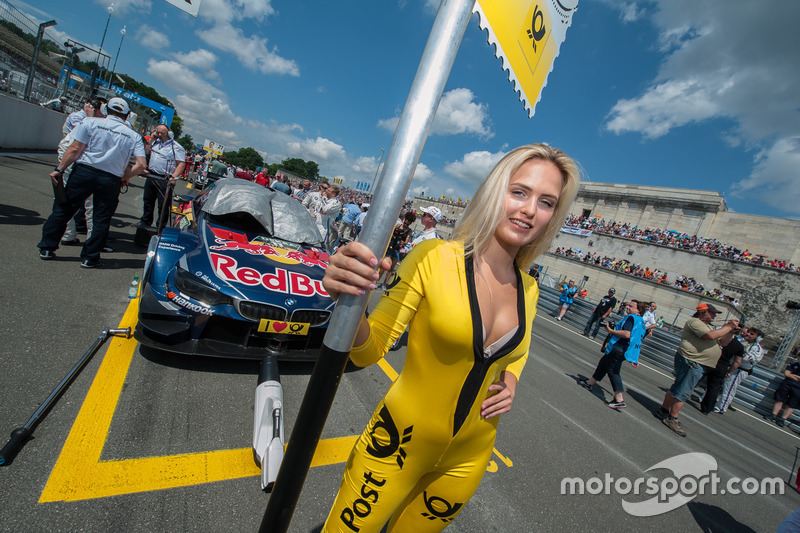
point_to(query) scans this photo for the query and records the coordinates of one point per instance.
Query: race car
(242, 278)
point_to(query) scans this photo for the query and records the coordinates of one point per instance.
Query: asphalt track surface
(149, 441)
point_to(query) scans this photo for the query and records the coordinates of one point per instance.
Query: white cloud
(473, 167)
(200, 59)
(668, 105)
(152, 38)
(121, 7)
(457, 113)
(738, 64)
(630, 12)
(181, 79)
(776, 176)
(320, 150)
(365, 165)
(224, 11)
(422, 173)
(252, 51)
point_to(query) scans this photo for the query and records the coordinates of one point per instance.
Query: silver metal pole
(372, 187)
(401, 161)
(676, 318)
(35, 59)
(403, 156)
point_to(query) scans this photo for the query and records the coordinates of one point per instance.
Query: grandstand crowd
(675, 239)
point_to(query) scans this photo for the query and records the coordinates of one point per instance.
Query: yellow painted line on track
(80, 474)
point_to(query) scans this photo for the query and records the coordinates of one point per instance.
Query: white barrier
(28, 126)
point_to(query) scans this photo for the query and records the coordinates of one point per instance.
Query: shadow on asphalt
(11, 214)
(711, 518)
(221, 365)
(643, 400)
(597, 391)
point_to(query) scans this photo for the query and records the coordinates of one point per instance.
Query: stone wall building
(762, 289)
(701, 213)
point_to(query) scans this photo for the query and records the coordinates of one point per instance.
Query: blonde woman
(469, 307)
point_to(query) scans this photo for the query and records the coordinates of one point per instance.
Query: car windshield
(246, 206)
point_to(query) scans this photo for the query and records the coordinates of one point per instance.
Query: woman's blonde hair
(487, 208)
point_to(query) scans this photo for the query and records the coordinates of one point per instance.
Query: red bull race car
(242, 279)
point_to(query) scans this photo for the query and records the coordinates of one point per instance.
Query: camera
(612, 325)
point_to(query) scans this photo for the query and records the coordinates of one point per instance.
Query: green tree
(187, 142)
(245, 157)
(250, 158)
(177, 126)
(301, 167)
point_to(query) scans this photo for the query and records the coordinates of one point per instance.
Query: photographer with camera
(626, 339)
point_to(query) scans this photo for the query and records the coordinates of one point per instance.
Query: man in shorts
(787, 395)
(697, 354)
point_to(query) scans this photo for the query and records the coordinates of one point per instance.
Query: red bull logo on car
(231, 240)
(281, 280)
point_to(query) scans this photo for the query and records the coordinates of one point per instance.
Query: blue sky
(676, 93)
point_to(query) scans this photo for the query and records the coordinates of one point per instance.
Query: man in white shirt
(649, 319)
(430, 216)
(167, 161)
(323, 206)
(101, 151)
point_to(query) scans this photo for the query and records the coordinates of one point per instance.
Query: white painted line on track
(684, 415)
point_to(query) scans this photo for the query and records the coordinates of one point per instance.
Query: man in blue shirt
(279, 184)
(350, 213)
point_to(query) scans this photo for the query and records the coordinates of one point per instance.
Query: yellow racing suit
(425, 450)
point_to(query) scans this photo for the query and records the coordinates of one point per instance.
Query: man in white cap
(101, 152)
(430, 216)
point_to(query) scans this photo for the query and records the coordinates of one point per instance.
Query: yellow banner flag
(527, 36)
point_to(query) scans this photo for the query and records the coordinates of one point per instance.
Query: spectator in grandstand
(698, 352)
(674, 239)
(566, 298)
(601, 312)
(624, 345)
